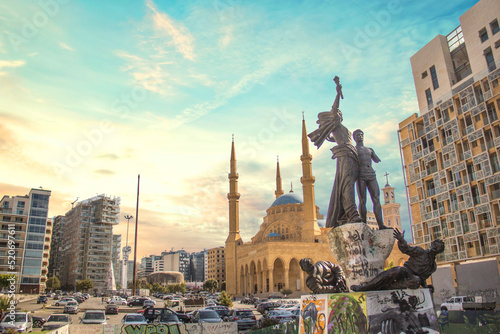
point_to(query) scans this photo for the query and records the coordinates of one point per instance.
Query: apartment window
(435, 82)
(494, 27)
(490, 60)
(483, 35)
(424, 75)
(428, 95)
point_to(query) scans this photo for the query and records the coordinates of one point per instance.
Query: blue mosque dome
(290, 198)
(272, 234)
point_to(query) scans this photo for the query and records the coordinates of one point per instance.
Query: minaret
(279, 190)
(234, 238)
(310, 227)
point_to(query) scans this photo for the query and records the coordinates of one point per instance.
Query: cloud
(104, 172)
(65, 46)
(110, 156)
(180, 35)
(11, 63)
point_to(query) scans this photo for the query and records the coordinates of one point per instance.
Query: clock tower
(390, 208)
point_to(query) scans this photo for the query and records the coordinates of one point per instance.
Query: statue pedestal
(399, 311)
(360, 251)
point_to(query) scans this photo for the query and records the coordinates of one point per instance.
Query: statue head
(306, 264)
(437, 246)
(358, 135)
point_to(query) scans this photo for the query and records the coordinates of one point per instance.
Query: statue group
(354, 169)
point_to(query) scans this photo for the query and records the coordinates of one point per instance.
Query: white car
(149, 303)
(118, 301)
(64, 301)
(20, 322)
(94, 317)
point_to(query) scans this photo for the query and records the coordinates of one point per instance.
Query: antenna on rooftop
(76, 200)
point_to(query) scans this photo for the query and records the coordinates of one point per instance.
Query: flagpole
(134, 284)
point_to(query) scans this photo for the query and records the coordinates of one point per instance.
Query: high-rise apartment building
(216, 264)
(147, 265)
(88, 240)
(197, 266)
(27, 217)
(177, 261)
(450, 150)
(55, 263)
(115, 257)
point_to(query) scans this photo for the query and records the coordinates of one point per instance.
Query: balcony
(495, 194)
(484, 223)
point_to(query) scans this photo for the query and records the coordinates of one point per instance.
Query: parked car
(263, 308)
(118, 301)
(167, 319)
(223, 311)
(138, 302)
(149, 303)
(64, 301)
(41, 299)
(204, 315)
(134, 319)
(19, 322)
(56, 321)
(38, 321)
(244, 317)
(94, 317)
(111, 309)
(71, 307)
(279, 316)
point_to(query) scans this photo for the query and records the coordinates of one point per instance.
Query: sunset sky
(93, 93)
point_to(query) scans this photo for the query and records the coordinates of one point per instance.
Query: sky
(94, 93)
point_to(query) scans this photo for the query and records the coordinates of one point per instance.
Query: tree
(286, 292)
(223, 286)
(6, 280)
(53, 283)
(84, 285)
(210, 285)
(225, 299)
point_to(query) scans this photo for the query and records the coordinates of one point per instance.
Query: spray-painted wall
(479, 279)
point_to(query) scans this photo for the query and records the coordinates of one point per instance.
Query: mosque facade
(269, 262)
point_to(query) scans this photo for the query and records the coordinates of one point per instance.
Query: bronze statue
(323, 276)
(413, 274)
(342, 208)
(367, 179)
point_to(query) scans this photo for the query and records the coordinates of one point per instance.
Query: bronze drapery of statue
(342, 208)
(323, 276)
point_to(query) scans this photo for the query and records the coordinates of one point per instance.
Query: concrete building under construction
(87, 241)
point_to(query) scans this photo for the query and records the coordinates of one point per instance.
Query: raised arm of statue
(339, 96)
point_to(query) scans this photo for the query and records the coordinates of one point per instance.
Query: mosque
(288, 233)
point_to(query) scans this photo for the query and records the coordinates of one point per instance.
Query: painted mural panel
(401, 311)
(313, 314)
(347, 313)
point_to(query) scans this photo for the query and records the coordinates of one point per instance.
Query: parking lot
(95, 303)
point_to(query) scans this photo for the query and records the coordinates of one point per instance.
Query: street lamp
(127, 217)
(126, 252)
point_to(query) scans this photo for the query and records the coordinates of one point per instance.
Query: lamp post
(126, 252)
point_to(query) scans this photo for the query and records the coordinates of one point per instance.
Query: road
(94, 303)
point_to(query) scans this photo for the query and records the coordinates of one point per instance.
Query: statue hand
(398, 235)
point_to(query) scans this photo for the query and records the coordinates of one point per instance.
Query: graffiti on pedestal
(408, 311)
(313, 314)
(347, 313)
